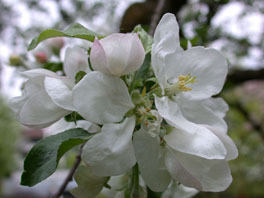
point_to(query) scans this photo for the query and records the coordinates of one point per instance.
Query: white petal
(16, 103)
(116, 183)
(218, 106)
(89, 185)
(136, 55)
(208, 113)
(75, 60)
(110, 152)
(40, 110)
(166, 41)
(150, 158)
(88, 126)
(101, 98)
(35, 108)
(179, 173)
(204, 143)
(116, 47)
(62, 125)
(60, 92)
(38, 72)
(179, 191)
(171, 112)
(205, 112)
(199, 173)
(166, 36)
(230, 146)
(124, 54)
(207, 65)
(58, 127)
(187, 136)
(31, 86)
(189, 45)
(98, 57)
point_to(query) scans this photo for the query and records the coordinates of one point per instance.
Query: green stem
(134, 188)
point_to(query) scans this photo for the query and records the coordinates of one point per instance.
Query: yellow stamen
(144, 91)
(180, 86)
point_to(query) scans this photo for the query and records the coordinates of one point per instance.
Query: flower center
(180, 86)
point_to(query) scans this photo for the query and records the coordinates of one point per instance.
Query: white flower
(197, 73)
(196, 159)
(47, 96)
(188, 78)
(117, 54)
(195, 148)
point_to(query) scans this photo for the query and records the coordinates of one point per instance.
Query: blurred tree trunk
(141, 13)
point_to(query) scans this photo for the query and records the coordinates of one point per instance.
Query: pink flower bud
(117, 54)
(41, 57)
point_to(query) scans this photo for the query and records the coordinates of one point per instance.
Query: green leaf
(43, 158)
(76, 30)
(53, 66)
(73, 117)
(144, 68)
(145, 38)
(79, 76)
(142, 72)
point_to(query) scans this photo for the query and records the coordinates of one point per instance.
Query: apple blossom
(117, 54)
(47, 97)
(35, 108)
(186, 158)
(194, 149)
(204, 69)
(197, 73)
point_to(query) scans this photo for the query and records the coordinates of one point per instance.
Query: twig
(155, 17)
(70, 175)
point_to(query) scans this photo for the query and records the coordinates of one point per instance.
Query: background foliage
(9, 129)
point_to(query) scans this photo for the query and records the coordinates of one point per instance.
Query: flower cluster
(172, 131)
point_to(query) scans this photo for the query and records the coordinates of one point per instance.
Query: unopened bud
(117, 54)
(41, 57)
(15, 60)
(55, 44)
